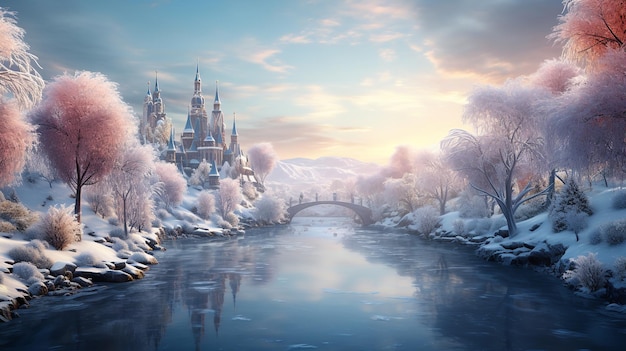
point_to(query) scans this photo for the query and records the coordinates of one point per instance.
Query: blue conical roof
(234, 132)
(188, 127)
(214, 172)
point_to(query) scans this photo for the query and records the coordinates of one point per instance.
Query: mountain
(319, 171)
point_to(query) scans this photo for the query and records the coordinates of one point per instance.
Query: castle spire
(156, 81)
(217, 96)
(197, 71)
(234, 132)
(188, 126)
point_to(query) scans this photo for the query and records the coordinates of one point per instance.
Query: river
(320, 284)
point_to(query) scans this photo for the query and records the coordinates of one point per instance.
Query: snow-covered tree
(16, 137)
(37, 163)
(270, 209)
(129, 181)
(591, 27)
(172, 184)
(206, 204)
(570, 209)
(402, 193)
(587, 122)
(200, 175)
(229, 196)
(82, 124)
(435, 179)
(100, 199)
(498, 159)
(263, 158)
(18, 76)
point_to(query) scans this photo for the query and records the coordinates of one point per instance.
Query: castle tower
(217, 120)
(188, 132)
(198, 111)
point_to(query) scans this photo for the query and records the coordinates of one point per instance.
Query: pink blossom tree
(587, 122)
(18, 75)
(172, 185)
(206, 204)
(82, 124)
(16, 137)
(589, 28)
(263, 158)
(19, 79)
(508, 143)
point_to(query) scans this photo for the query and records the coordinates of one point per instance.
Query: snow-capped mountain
(321, 171)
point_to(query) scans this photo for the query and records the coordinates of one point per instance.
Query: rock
(61, 281)
(60, 268)
(118, 265)
(83, 282)
(50, 285)
(138, 265)
(512, 245)
(535, 227)
(503, 233)
(143, 258)
(136, 273)
(546, 255)
(38, 289)
(99, 240)
(103, 275)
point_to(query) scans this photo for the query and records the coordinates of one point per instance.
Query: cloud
(386, 37)
(263, 58)
(387, 54)
(492, 39)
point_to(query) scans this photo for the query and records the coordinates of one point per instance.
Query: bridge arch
(364, 213)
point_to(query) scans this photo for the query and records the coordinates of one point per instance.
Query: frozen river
(320, 284)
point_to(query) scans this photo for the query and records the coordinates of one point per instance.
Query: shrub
(32, 252)
(614, 233)
(232, 219)
(249, 191)
(27, 271)
(427, 219)
(270, 210)
(595, 237)
(530, 209)
(472, 206)
(206, 204)
(17, 215)
(569, 200)
(620, 268)
(114, 221)
(588, 272)
(85, 259)
(618, 201)
(458, 226)
(59, 227)
(117, 233)
(119, 244)
(6, 227)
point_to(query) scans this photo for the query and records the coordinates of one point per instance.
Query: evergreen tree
(571, 203)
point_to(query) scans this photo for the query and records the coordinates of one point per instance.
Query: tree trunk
(77, 211)
(551, 184)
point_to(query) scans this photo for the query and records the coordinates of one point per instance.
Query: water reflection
(323, 285)
(489, 307)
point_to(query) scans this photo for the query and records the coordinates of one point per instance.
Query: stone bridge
(364, 213)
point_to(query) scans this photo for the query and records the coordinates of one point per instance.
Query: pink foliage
(16, 136)
(401, 162)
(588, 122)
(270, 209)
(263, 158)
(82, 124)
(555, 75)
(591, 27)
(173, 185)
(206, 204)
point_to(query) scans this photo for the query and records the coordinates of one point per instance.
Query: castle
(203, 138)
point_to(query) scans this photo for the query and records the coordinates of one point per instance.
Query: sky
(315, 78)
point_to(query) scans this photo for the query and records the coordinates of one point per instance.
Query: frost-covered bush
(595, 237)
(588, 272)
(232, 219)
(620, 268)
(618, 202)
(86, 259)
(6, 227)
(458, 226)
(32, 252)
(249, 191)
(206, 204)
(497, 223)
(576, 222)
(59, 227)
(568, 201)
(530, 209)
(614, 233)
(270, 209)
(162, 213)
(27, 272)
(472, 206)
(427, 219)
(119, 244)
(221, 222)
(18, 215)
(117, 233)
